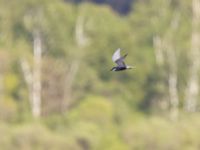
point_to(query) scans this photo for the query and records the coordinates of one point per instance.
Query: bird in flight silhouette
(119, 60)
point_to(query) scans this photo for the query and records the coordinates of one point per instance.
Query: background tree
(192, 90)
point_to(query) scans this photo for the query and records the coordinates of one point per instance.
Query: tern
(119, 60)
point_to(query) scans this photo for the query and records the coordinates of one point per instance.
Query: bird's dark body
(119, 60)
(118, 68)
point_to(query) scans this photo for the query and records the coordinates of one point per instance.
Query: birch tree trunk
(37, 57)
(172, 81)
(172, 62)
(33, 78)
(160, 58)
(158, 49)
(165, 53)
(28, 78)
(192, 90)
(81, 41)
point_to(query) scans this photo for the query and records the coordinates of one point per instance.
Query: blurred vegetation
(84, 105)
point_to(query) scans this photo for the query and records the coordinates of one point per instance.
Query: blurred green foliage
(93, 108)
(145, 133)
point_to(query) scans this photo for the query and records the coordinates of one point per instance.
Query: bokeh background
(56, 88)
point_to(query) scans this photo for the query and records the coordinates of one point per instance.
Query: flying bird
(119, 60)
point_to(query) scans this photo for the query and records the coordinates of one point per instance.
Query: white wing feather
(116, 55)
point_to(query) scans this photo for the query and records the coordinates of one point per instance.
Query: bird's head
(113, 69)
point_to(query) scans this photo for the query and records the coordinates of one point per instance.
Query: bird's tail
(130, 67)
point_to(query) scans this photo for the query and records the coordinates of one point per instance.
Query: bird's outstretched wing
(118, 59)
(116, 55)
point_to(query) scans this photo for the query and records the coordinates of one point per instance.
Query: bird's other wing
(120, 62)
(116, 55)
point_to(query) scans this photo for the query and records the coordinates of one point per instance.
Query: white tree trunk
(172, 81)
(192, 90)
(158, 49)
(165, 53)
(172, 62)
(28, 78)
(80, 36)
(81, 41)
(37, 57)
